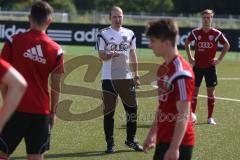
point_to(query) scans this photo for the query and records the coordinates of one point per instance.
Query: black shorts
(209, 74)
(185, 152)
(34, 128)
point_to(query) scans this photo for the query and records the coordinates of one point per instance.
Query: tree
(136, 5)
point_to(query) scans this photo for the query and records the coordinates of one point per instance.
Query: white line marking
(222, 98)
(229, 78)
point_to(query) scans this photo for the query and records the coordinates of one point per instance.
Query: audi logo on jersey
(117, 47)
(205, 44)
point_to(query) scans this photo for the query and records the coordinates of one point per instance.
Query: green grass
(84, 140)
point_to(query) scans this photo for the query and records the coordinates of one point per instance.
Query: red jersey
(4, 66)
(175, 83)
(35, 56)
(206, 44)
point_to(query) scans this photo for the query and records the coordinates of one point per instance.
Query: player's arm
(226, 47)
(103, 55)
(151, 138)
(189, 53)
(101, 45)
(183, 108)
(55, 82)
(55, 90)
(15, 86)
(183, 88)
(134, 66)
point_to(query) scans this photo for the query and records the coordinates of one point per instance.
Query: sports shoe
(134, 145)
(194, 118)
(110, 149)
(211, 121)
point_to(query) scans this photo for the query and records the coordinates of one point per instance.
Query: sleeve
(222, 39)
(101, 42)
(59, 68)
(4, 66)
(183, 88)
(6, 52)
(191, 36)
(133, 42)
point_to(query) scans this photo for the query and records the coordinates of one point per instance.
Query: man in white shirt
(117, 49)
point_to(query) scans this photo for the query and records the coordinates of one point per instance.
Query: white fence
(22, 15)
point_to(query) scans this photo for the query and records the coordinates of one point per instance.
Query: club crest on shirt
(112, 39)
(210, 37)
(199, 37)
(124, 38)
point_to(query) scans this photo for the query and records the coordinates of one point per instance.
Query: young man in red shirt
(15, 86)
(37, 57)
(204, 62)
(172, 130)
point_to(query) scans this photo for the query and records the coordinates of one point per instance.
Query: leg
(160, 151)
(194, 100)
(37, 137)
(4, 156)
(198, 72)
(211, 82)
(109, 101)
(35, 157)
(126, 90)
(211, 100)
(12, 133)
(185, 152)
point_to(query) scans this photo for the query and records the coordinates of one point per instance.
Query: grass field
(76, 139)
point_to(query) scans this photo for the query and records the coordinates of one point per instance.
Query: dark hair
(163, 29)
(41, 12)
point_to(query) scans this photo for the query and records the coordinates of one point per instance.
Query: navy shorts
(34, 128)
(209, 74)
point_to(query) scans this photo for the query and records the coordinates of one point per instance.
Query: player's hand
(172, 154)
(215, 61)
(149, 143)
(137, 82)
(114, 54)
(52, 119)
(192, 61)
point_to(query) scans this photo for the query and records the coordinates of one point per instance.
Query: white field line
(229, 78)
(222, 98)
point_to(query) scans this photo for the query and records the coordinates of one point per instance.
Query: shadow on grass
(201, 123)
(78, 154)
(150, 125)
(138, 126)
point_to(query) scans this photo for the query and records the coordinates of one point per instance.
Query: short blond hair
(115, 8)
(208, 11)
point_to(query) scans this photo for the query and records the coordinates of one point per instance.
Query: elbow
(228, 46)
(23, 85)
(56, 88)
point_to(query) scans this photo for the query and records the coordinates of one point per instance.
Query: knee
(4, 156)
(35, 157)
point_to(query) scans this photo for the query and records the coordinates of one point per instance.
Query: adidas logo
(35, 54)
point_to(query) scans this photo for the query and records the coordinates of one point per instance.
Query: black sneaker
(134, 145)
(110, 149)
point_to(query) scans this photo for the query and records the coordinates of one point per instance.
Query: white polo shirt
(122, 42)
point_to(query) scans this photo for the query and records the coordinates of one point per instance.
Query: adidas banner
(85, 34)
